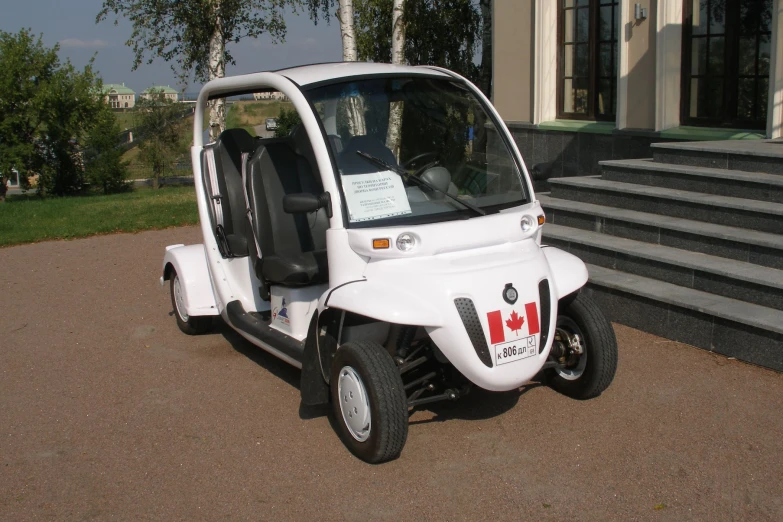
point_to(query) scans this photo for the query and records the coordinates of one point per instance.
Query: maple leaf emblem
(515, 322)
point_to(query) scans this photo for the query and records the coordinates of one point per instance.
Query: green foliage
(437, 32)
(446, 33)
(28, 219)
(158, 129)
(286, 121)
(26, 65)
(318, 8)
(180, 32)
(46, 108)
(103, 163)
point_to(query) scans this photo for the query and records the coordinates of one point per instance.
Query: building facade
(168, 93)
(579, 81)
(117, 96)
(270, 95)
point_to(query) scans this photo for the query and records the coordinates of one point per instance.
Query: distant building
(168, 92)
(118, 96)
(274, 95)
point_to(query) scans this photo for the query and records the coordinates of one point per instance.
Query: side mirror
(306, 202)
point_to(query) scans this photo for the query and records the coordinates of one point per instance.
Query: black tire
(193, 325)
(600, 350)
(388, 403)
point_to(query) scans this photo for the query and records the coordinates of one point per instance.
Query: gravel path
(108, 412)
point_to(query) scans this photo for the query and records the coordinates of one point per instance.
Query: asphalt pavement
(108, 412)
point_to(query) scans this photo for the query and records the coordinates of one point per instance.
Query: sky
(71, 23)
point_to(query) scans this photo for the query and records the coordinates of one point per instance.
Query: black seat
(292, 246)
(351, 163)
(228, 151)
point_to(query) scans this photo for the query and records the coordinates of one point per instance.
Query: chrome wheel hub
(571, 336)
(179, 301)
(354, 403)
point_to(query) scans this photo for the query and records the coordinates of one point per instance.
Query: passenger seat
(227, 153)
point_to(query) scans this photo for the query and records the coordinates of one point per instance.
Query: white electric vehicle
(389, 246)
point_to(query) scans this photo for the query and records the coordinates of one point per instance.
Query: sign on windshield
(375, 195)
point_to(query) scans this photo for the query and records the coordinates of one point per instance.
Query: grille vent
(467, 312)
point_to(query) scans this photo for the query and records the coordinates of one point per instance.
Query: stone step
(741, 244)
(765, 216)
(723, 182)
(747, 155)
(721, 276)
(733, 328)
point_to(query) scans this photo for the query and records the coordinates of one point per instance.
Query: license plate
(515, 350)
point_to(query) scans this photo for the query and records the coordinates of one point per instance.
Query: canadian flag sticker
(498, 324)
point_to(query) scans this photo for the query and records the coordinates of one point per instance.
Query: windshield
(415, 150)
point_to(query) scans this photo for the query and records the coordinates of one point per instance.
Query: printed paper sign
(374, 196)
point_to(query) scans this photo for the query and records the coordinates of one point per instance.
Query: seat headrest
(301, 140)
(237, 140)
(351, 163)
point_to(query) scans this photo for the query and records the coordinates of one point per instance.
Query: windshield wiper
(378, 162)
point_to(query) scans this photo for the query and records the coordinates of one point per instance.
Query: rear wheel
(188, 324)
(369, 404)
(585, 347)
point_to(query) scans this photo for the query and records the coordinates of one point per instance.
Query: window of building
(587, 59)
(726, 57)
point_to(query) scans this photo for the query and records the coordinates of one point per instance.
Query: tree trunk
(485, 74)
(398, 32)
(394, 133)
(347, 32)
(217, 69)
(3, 188)
(354, 105)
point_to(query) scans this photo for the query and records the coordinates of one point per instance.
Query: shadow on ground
(280, 369)
(477, 405)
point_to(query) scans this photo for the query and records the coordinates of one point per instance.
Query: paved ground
(108, 412)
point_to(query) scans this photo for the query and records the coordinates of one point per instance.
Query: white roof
(308, 74)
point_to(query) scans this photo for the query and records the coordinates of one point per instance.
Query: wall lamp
(640, 13)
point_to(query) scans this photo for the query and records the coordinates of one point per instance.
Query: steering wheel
(416, 159)
(408, 164)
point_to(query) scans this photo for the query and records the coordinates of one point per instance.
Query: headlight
(406, 242)
(527, 223)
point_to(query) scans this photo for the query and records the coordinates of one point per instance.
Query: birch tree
(347, 30)
(194, 35)
(394, 133)
(436, 32)
(354, 105)
(345, 15)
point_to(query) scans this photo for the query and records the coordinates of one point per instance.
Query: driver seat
(351, 163)
(290, 248)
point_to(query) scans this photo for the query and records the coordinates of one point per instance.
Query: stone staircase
(687, 245)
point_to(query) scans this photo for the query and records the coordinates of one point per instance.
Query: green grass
(248, 114)
(29, 219)
(125, 120)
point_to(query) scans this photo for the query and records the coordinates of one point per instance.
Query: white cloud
(90, 44)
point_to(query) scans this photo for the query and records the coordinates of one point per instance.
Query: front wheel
(187, 324)
(369, 404)
(585, 349)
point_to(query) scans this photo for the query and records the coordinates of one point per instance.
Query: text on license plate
(515, 350)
